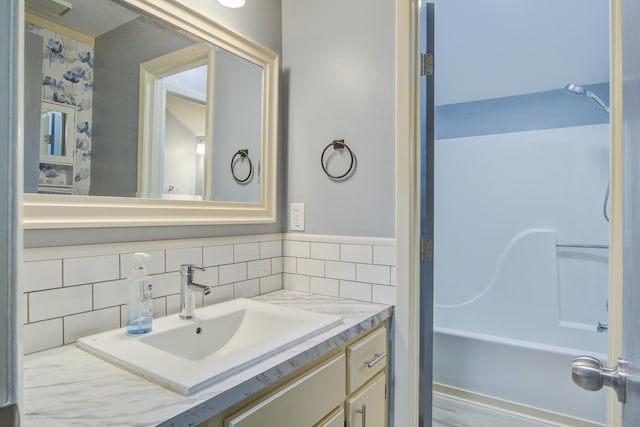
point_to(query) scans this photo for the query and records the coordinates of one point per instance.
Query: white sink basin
(189, 355)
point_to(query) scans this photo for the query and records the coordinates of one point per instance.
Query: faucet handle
(191, 267)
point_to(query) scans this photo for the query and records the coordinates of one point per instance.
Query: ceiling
(91, 17)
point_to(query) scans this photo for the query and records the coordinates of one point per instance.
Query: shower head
(579, 90)
(575, 89)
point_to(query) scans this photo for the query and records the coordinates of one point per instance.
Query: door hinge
(426, 250)
(426, 64)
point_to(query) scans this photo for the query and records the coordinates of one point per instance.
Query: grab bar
(581, 245)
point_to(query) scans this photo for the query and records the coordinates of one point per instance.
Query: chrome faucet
(187, 291)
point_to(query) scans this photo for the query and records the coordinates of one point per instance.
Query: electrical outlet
(296, 216)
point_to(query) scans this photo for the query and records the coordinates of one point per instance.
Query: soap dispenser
(140, 307)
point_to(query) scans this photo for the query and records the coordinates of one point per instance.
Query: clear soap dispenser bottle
(140, 307)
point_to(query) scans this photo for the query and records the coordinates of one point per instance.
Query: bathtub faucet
(187, 291)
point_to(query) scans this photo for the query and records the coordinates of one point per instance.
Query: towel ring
(241, 154)
(337, 144)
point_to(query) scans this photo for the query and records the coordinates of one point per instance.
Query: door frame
(406, 345)
(616, 123)
(11, 164)
(406, 330)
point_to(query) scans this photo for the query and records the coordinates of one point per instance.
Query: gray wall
(259, 21)
(114, 147)
(237, 120)
(339, 66)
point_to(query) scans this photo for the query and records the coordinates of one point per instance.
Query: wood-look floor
(452, 412)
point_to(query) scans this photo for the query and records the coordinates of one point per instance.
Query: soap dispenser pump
(140, 307)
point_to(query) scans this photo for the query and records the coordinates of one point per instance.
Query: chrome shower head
(575, 89)
(579, 90)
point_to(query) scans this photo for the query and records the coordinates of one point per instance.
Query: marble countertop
(66, 386)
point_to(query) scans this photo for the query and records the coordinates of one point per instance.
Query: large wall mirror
(141, 112)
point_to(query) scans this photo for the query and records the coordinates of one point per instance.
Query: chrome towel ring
(239, 156)
(338, 144)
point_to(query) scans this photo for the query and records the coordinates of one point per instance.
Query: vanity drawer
(366, 358)
(301, 403)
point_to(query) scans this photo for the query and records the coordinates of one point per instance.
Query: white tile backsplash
(271, 249)
(326, 251)
(310, 267)
(92, 322)
(246, 289)
(289, 264)
(207, 277)
(173, 304)
(356, 253)
(217, 255)
(246, 252)
(219, 294)
(259, 268)
(277, 265)
(340, 270)
(165, 284)
(154, 264)
(384, 255)
(109, 294)
(59, 302)
(40, 275)
(159, 307)
(384, 294)
(42, 335)
(24, 308)
(355, 290)
(176, 257)
(233, 273)
(67, 294)
(322, 286)
(270, 283)
(297, 249)
(77, 271)
(378, 274)
(295, 282)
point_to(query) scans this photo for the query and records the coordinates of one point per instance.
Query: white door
(623, 376)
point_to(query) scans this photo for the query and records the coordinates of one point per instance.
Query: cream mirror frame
(45, 211)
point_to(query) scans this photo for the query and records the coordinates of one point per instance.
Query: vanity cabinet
(349, 387)
(310, 397)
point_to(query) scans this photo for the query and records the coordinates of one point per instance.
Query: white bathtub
(515, 338)
(519, 372)
(513, 304)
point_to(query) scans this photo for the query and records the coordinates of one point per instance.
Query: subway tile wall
(349, 267)
(71, 292)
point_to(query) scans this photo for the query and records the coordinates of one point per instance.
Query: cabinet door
(335, 419)
(368, 407)
(302, 403)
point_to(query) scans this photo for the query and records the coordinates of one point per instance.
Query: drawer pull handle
(376, 358)
(363, 411)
